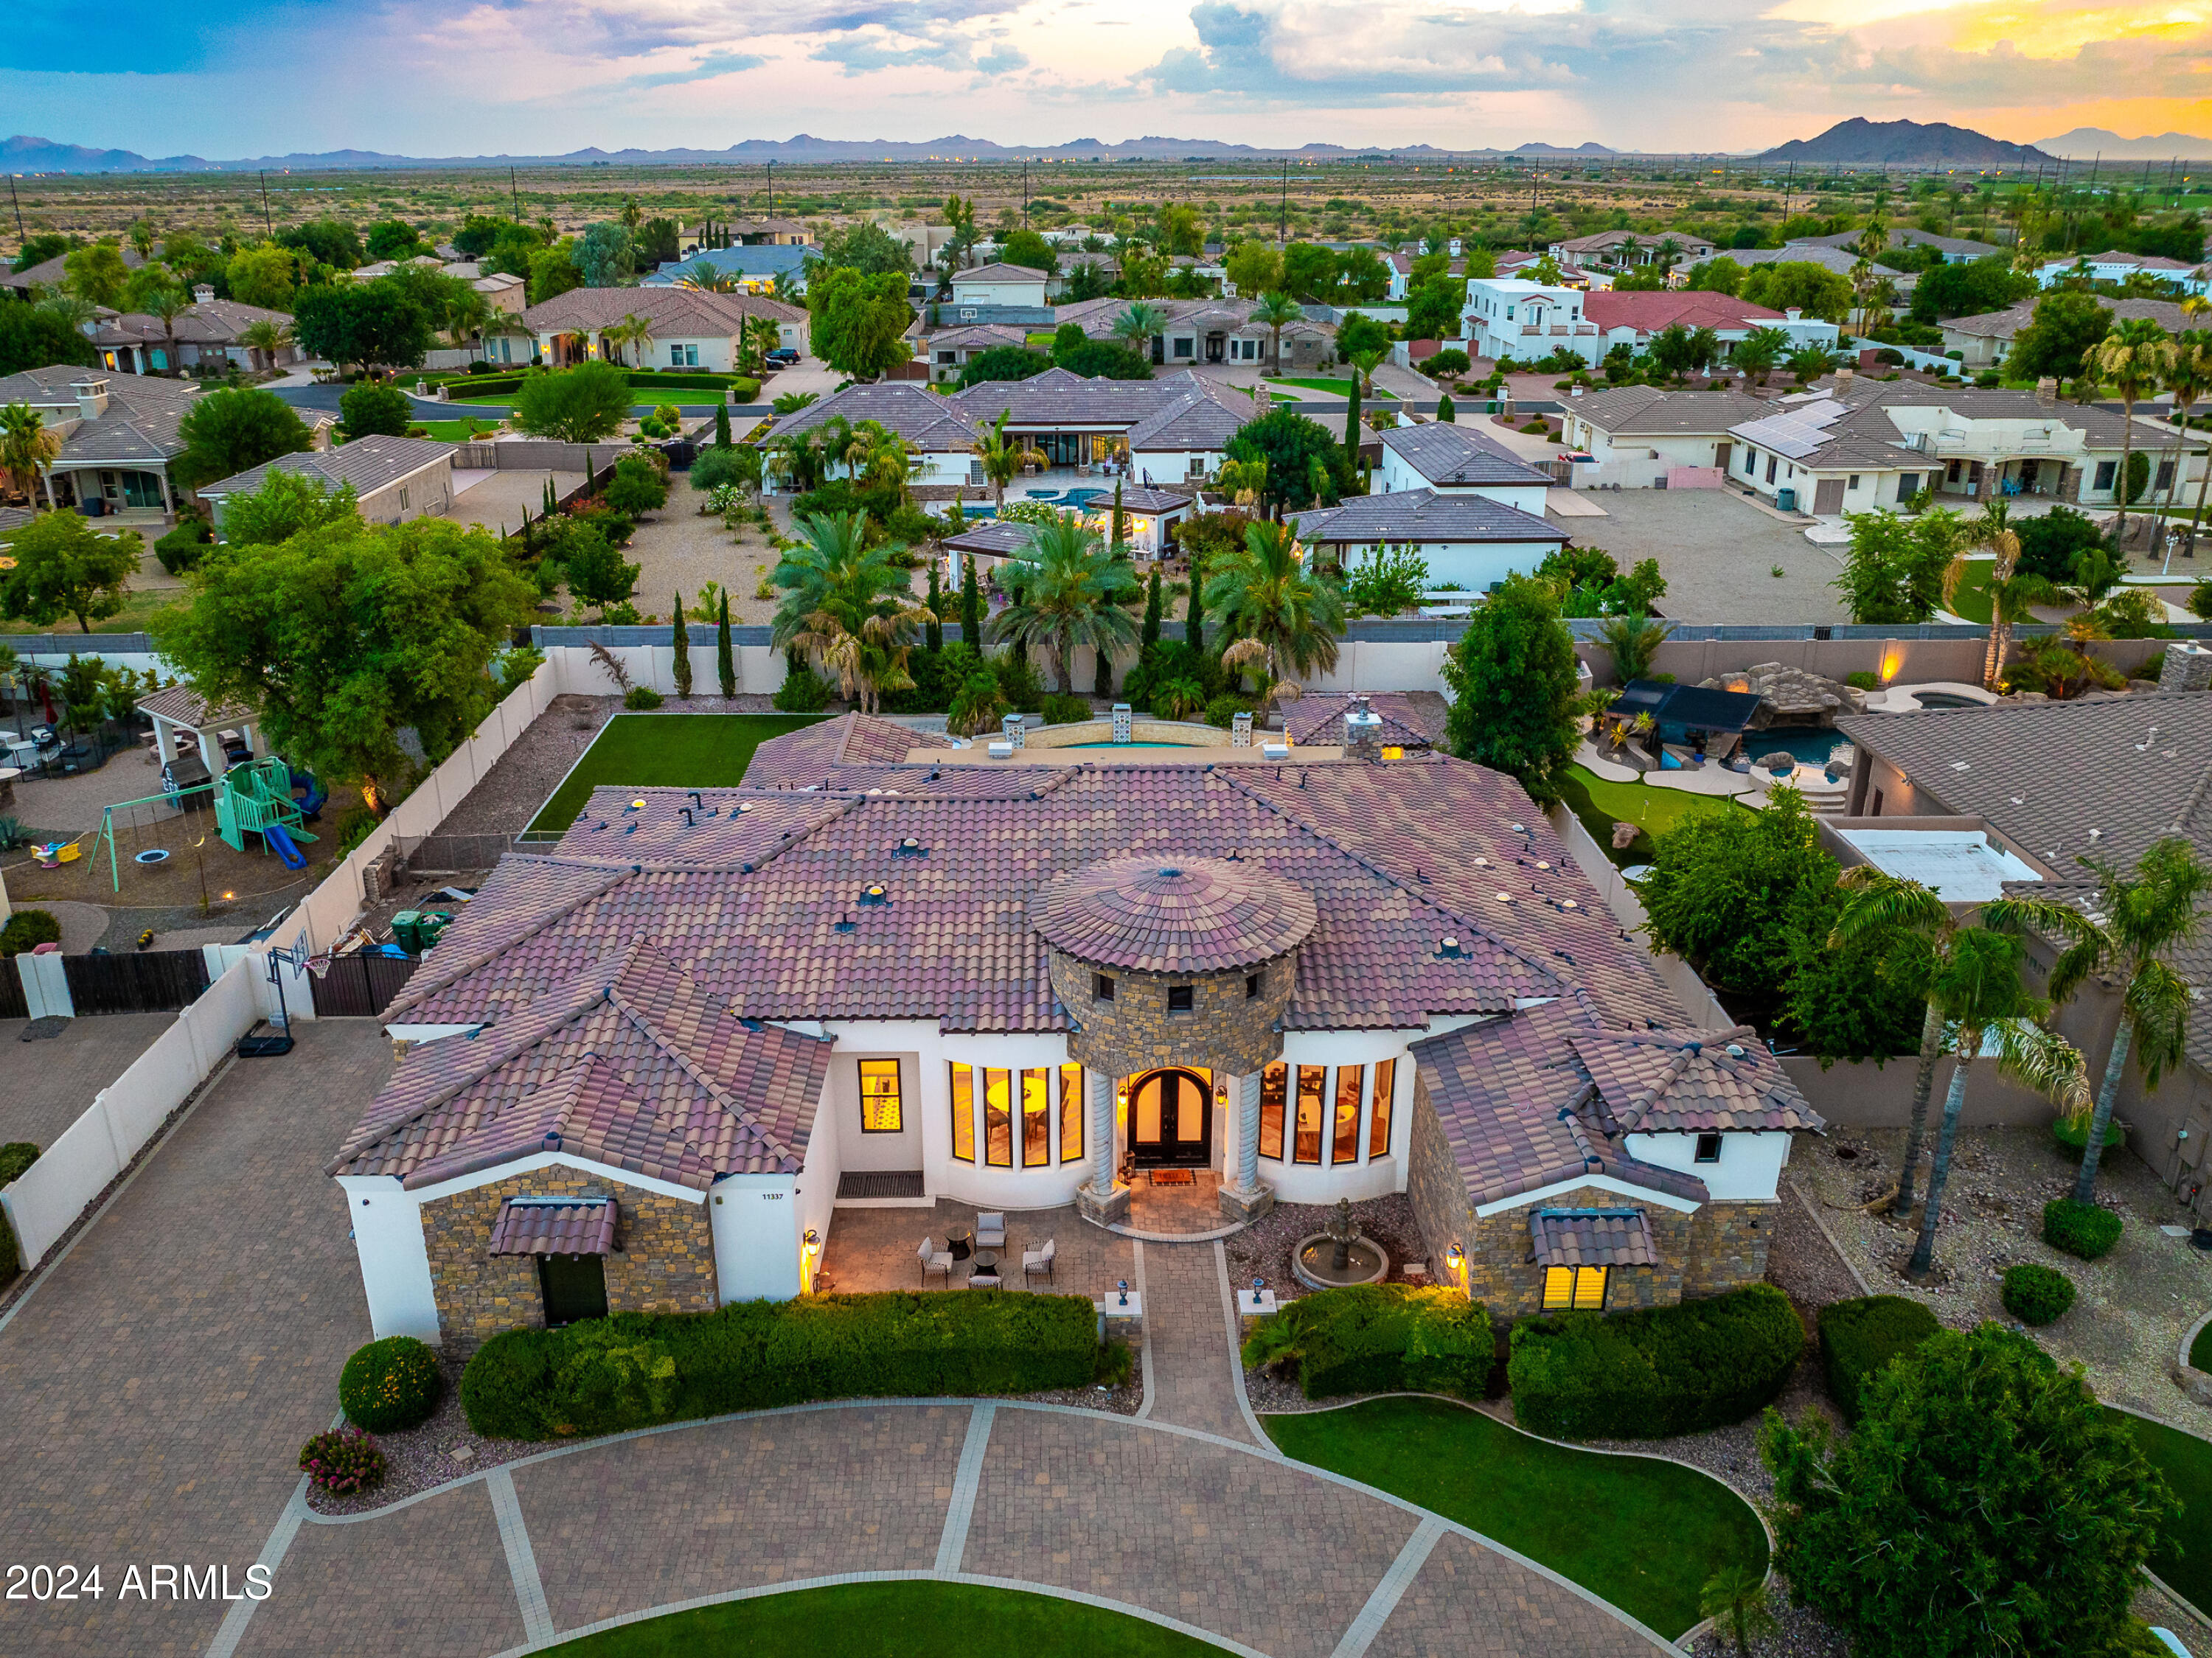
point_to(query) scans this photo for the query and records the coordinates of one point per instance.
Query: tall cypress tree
(726, 657)
(1115, 545)
(971, 604)
(1150, 635)
(1351, 423)
(933, 633)
(682, 642)
(721, 426)
(1193, 626)
(1445, 412)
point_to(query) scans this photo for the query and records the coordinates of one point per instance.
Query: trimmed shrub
(15, 1158)
(1862, 681)
(27, 929)
(1223, 710)
(641, 699)
(1381, 1338)
(184, 547)
(1061, 710)
(2036, 1295)
(634, 1370)
(2084, 1230)
(1859, 1337)
(390, 1384)
(342, 1461)
(803, 691)
(743, 391)
(1652, 1374)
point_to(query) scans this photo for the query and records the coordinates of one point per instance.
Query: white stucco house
(998, 285)
(1451, 460)
(1468, 542)
(1636, 435)
(692, 328)
(2116, 265)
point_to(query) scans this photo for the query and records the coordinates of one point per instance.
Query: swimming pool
(1810, 744)
(1947, 700)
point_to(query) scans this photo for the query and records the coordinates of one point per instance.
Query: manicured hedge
(1380, 1339)
(1859, 1337)
(2036, 1295)
(634, 1370)
(390, 1384)
(15, 1158)
(2083, 1230)
(1652, 1374)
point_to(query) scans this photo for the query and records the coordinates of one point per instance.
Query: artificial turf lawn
(1342, 388)
(912, 1619)
(1601, 804)
(668, 751)
(2184, 1551)
(1642, 1533)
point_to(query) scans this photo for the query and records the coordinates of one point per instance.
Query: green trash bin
(429, 923)
(407, 930)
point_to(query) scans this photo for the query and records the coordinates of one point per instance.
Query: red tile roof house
(640, 1067)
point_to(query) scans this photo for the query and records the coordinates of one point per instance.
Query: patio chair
(934, 1260)
(985, 1281)
(990, 1231)
(1038, 1261)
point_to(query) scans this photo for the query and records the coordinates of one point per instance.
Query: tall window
(1378, 1120)
(1313, 1081)
(964, 1114)
(998, 1119)
(1344, 1139)
(880, 1112)
(1037, 1119)
(1574, 1286)
(1071, 1113)
(1272, 1081)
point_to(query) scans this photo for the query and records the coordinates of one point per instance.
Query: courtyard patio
(873, 1250)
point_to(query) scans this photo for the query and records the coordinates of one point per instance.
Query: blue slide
(309, 795)
(281, 845)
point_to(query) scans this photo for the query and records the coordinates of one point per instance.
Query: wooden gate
(14, 1005)
(154, 981)
(360, 987)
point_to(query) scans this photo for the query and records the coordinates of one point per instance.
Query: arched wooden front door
(1170, 1121)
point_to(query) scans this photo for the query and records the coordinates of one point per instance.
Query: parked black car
(784, 357)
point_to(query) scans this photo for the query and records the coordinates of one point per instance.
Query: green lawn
(2185, 1555)
(140, 606)
(1971, 600)
(915, 1619)
(1642, 1533)
(456, 431)
(667, 750)
(1341, 388)
(1601, 804)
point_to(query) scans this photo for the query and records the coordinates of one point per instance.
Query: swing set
(249, 799)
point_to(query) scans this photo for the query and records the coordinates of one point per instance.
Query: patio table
(987, 1262)
(962, 1244)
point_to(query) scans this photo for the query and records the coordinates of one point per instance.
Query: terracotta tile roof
(1657, 1082)
(1649, 313)
(673, 311)
(182, 704)
(626, 1060)
(539, 1226)
(1592, 1238)
(810, 753)
(1318, 718)
(1192, 915)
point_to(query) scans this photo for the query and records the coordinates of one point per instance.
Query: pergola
(180, 709)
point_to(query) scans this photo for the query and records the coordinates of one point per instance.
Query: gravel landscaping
(1718, 552)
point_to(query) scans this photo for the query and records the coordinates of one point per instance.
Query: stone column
(1245, 1198)
(1099, 1200)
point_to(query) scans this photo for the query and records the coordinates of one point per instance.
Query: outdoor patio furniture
(990, 1232)
(1038, 1261)
(985, 1276)
(933, 1260)
(962, 1244)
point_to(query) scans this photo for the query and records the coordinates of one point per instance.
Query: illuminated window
(964, 1114)
(1271, 1088)
(1344, 1137)
(1037, 1120)
(1378, 1120)
(1580, 1287)
(879, 1097)
(998, 1119)
(1071, 1113)
(1313, 1079)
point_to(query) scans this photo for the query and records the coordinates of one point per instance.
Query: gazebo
(179, 713)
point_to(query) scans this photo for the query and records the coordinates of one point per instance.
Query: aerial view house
(1636, 436)
(2116, 265)
(1509, 317)
(203, 335)
(691, 327)
(1982, 340)
(1956, 250)
(1149, 521)
(1623, 250)
(393, 479)
(754, 268)
(645, 1068)
(1212, 331)
(1468, 541)
(745, 232)
(996, 285)
(1452, 460)
(949, 349)
(51, 273)
(118, 434)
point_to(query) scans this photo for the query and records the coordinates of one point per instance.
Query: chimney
(1363, 730)
(1843, 379)
(2047, 391)
(2187, 667)
(91, 396)
(202, 294)
(1795, 313)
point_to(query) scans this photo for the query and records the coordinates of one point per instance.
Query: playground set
(261, 797)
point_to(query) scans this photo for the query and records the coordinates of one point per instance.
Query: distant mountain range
(23, 154)
(1859, 142)
(2084, 142)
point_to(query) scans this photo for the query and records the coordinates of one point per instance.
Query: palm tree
(2011, 591)
(1138, 322)
(1002, 456)
(1072, 591)
(1758, 352)
(2126, 932)
(1283, 618)
(159, 294)
(2133, 359)
(1245, 481)
(1667, 255)
(467, 311)
(1634, 641)
(1735, 1598)
(66, 304)
(1365, 363)
(264, 337)
(2187, 377)
(708, 278)
(1987, 1009)
(758, 339)
(847, 606)
(27, 448)
(632, 330)
(1275, 311)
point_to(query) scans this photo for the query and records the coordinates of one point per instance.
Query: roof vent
(1451, 945)
(742, 806)
(1736, 1050)
(1504, 897)
(875, 895)
(1170, 874)
(909, 847)
(1570, 903)
(1541, 864)
(1518, 829)
(1482, 863)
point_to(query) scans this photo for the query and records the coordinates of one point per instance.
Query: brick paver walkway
(1186, 1326)
(51, 1081)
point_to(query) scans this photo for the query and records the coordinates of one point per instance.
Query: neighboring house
(948, 350)
(204, 334)
(998, 285)
(1955, 250)
(924, 242)
(1212, 331)
(691, 327)
(1878, 444)
(503, 291)
(1149, 518)
(1843, 261)
(1621, 250)
(118, 434)
(1506, 317)
(935, 430)
(1470, 543)
(2116, 265)
(1633, 319)
(608, 1101)
(1983, 340)
(748, 233)
(1635, 436)
(755, 267)
(393, 479)
(1510, 317)
(2052, 782)
(1458, 460)
(49, 273)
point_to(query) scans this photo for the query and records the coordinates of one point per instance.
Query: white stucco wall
(1750, 1166)
(853, 1145)
(1472, 565)
(1172, 465)
(756, 1223)
(395, 1263)
(1396, 473)
(1012, 293)
(1370, 1177)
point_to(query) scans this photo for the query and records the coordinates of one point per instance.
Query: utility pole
(771, 190)
(1788, 184)
(1282, 218)
(267, 227)
(514, 189)
(1025, 192)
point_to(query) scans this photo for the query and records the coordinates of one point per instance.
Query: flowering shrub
(725, 498)
(390, 1384)
(342, 1461)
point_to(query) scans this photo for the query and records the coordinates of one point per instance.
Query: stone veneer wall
(664, 1259)
(1728, 1240)
(1225, 1032)
(1434, 1185)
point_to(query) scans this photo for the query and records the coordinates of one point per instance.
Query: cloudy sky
(478, 76)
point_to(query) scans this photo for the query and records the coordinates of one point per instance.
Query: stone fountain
(1338, 1255)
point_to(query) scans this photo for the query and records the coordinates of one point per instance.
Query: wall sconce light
(809, 1248)
(1122, 1285)
(1456, 1263)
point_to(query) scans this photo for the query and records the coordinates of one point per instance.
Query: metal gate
(360, 987)
(155, 981)
(14, 1005)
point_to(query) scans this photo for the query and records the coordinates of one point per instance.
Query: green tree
(553, 271)
(682, 641)
(859, 320)
(64, 566)
(1254, 267)
(1290, 444)
(1445, 413)
(1137, 325)
(1720, 275)
(1969, 289)
(1433, 310)
(344, 636)
(1985, 1504)
(226, 431)
(2059, 337)
(637, 488)
(1759, 351)
(27, 448)
(1149, 634)
(1003, 362)
(1275, 311)
(1273, 614)
(379, 322)
(866, 247)
(1104, 359)
(1896, 569)
(327, 242)
(721, 426)
(848, 605)
(971, 605)
(583, 404)
(1308, 271)
(603, 255)
(1799, 283)
(393, 239)
(1351, 428)
(1735, 1598)
(369, 410)
(1514, 681)
(32, 336)
(286, 505)
(154, 291)
(932, 631)
(98, 275)
(2134, 360)
(1029, 251)
(597, 574)
(726, 660)
(1727, 891)
(1070, 593)
(1634, 640)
